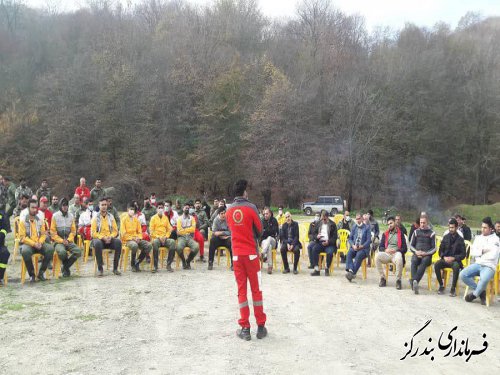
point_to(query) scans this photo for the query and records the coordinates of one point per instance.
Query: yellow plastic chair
(303, 239)
(56, 265)
(430, 268)
(17, 240)
(5, 279)
(34, 259)
(490, 291)
(162, 255)
(446, 272)
(293, 260)
(364, 267)
(186, 251)
(105, 255)
(86, 247)
(322, 258)
(219, 251)
(336, 219)
(343, 236)
(391, 266)
(124, 258)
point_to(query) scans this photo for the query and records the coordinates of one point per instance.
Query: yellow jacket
(187, 230)
(100, 227)
(62, 226)
(130, 228)
(159, 227)
(36, 233)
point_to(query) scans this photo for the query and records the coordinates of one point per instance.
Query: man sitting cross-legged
(451, 252)
(104, 232)
(131, 233)
(485, 252)
(359, 247)
(160, 231)
(270, 232)
(392, 249)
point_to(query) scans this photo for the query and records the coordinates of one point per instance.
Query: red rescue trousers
(198, 237)
(247, 267)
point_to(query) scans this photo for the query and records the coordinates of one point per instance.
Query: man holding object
(246, 228)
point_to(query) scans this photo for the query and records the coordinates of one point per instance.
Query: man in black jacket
(289, 237)
(463, 228)
(326, 242)
(270, 232)
(451, 252)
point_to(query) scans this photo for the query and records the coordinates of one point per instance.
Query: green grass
(13, 306)
(475, 214)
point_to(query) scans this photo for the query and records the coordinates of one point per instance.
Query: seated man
(312, 234)
(346, 222)
(463, 228)
(32, 233)
(198, 236)
(43, 209)
(173, 216)
(497, 228)
(399, 224)
(75, 206)
(82, 190)
(359, 247)
(54, 207)
(423, 246)
(131, 235)
(148, 210)
(392, 249)
(289, 238)
(221, 236)
(160, 231)
(4, 252)
(485, 251)
(186, 226)
(62, 232)
(203, 221)
(451, 252)
(325, 242)
(270, 232)
(22, 205)
(104, 232)
(85, 219)
(375, 232)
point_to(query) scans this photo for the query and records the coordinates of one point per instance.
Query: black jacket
(466, 232)
(452, 247)
(295, 234)
(270, 228)
(332, 233)
(4, 228)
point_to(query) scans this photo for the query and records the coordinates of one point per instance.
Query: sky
(391, 13)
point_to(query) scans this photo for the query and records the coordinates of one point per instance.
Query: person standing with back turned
(246, 228)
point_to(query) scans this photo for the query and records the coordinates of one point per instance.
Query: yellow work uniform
(160, 227)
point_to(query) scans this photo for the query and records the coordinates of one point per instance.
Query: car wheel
(309, 211)
(333, 212)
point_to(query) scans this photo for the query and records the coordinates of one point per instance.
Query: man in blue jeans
(325, 241)
(485, 251)
(359, 247)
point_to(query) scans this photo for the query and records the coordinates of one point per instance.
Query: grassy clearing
(475, 214)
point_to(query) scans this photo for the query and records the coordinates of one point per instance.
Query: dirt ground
(185, 322)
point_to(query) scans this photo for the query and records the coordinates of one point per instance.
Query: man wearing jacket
(392, 249)
(62, 233)
(325, 241)
(423, 246)
(270, 233)
(359, 247)
(485, 251)
(4, 252)
(44, 190)
(82, 191)
(289, 238)
(104, 232)
(451, 252)
(221, 236)
(131, 234)
(186, 227)
(463, 228)
(246, 228)
(32, 234)
(160, 231)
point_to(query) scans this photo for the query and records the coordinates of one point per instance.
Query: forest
(177, 98)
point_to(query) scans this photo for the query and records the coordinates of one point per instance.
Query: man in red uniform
(246, 228)
(82, 190)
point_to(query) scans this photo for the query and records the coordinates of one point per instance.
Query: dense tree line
(170, 97)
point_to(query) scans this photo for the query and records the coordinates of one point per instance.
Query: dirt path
(185, 322)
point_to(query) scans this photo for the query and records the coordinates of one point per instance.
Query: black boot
(244, 334)
(482, 296)
(189, 260)
(183, 260)
(261, 332)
